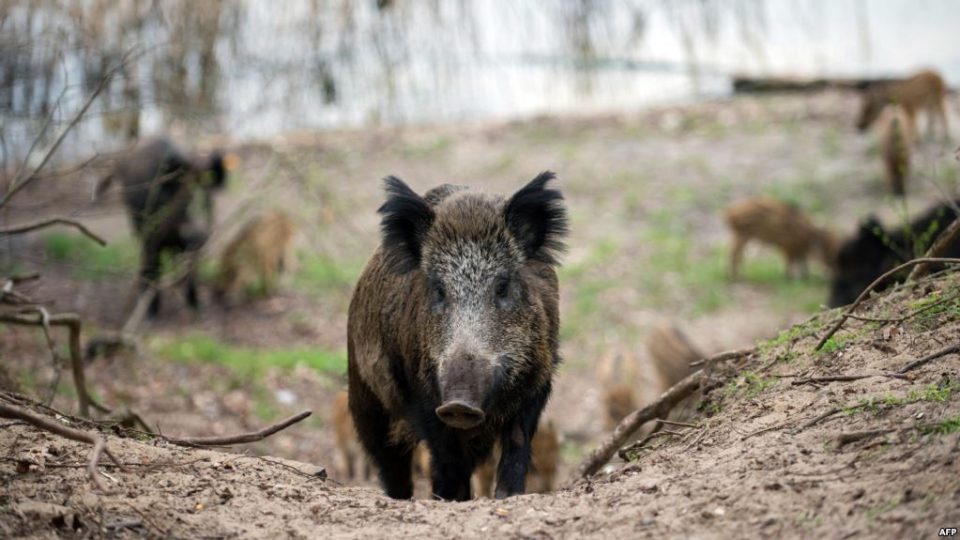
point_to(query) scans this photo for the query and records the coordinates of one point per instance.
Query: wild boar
(923, 91)
(541, 477)
(874, 250)
(162, 186)
(452, 333)
(672, 353)
(352, 462)
(256, 255)
(622, 379)
(896, 140)
(782, 225)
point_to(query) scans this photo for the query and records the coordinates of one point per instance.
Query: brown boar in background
(896, 139)
(352, 462)
(923, 91)
(544, 458)
(670, 355)
(256, 255)
(781, 225)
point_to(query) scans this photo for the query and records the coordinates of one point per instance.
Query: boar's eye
(501, 290)
(437, 293)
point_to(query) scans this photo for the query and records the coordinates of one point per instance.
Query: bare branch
(99, 446)
(658, 409)
(871, 287)
(242, 438)
(930, 357)
(947, 238)
(20, 229)
(72, 322)
(19, 182)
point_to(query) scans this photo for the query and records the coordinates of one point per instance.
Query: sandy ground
(645, 192)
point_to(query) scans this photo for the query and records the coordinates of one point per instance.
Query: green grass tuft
(323, 274)
(248, 362)
(89, 260)
(946, 427)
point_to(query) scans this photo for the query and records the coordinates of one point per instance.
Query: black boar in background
(162, 190)
(452, 333)
(875, 250)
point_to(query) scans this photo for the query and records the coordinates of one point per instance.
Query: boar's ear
(538, 220)
(406, 219)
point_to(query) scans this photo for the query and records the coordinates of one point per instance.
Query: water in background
(255, 68)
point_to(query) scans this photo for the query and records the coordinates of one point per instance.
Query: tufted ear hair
(406, 219)
(537, 219)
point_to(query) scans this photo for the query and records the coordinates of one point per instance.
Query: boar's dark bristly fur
(161, 184)
(452, 333)
(874, 250)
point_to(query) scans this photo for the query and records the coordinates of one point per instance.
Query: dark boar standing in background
(162, 188)
(875, 250)
(452, 333)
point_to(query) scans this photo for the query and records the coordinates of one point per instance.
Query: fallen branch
(99, 446)
(658, 409)
(625, 452)
(844, 378)
(844, 439)
(242, 438)
(724, 356)
(930, 357)
(818, 419)
(762, 430)
(850, 309)
(944, 241)
(908, 316)
(72, 322)
(20, 229)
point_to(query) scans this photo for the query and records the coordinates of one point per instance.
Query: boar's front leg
(515, 449)
(450, 465)
(393, 459)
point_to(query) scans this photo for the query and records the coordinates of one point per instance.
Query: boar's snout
(460, 415)
(464, 382)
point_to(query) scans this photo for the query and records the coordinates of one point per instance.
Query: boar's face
(482, 317)
(859, 262)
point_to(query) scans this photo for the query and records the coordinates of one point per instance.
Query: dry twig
(72, 322)
(658, 409)
(945, 239)
(99, 446)
(27, 227)
(241, 438)
(817, 420)
(833, 330)
(930, 357)
(843, 378)
(844, 439)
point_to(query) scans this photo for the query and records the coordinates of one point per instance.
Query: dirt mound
(778, 449)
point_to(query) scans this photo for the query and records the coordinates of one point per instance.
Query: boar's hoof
(460, 415)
